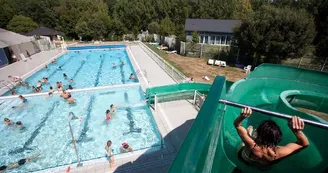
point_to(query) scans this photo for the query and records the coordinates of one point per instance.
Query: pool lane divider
(82, 137)
(36, 132)
(99, 70)
(75, 90)
(122, 74)
(62, 65)
(129, 114)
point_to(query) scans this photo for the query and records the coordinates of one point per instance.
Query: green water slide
(212, 142)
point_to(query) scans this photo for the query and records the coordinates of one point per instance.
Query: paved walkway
(173, 119)
(25, 69)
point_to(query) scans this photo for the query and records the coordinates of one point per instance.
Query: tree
(275, 33)
(153, 28)
(243, 9)
(7, 13)
(21, 24)
(195, 37)
(320, 11)
(166, 27)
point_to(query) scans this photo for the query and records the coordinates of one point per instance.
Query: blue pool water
(88, 68)
(46, 127)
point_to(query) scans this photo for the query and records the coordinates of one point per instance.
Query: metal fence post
(195, 97)
(155, 102)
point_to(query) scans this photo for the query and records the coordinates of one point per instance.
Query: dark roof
(211, 25)
(44, 31)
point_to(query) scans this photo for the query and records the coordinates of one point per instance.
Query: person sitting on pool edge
(262, 151)
(126, 148)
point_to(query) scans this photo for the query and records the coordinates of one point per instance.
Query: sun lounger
(162, 47)
(210, 61)
(171, 52)
(23, 57)
(220, 63)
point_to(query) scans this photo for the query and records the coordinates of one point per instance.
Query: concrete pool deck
(173, 119)
(25, 69)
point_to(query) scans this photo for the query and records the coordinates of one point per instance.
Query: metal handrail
(73, 139)
(271, 113)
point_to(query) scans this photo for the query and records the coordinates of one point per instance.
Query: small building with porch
(44, 31)
(211, 31)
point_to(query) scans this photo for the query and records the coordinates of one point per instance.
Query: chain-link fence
(167, 67)
(222, 52)
(307, 62)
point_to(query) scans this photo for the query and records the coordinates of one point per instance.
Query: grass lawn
(197, 67)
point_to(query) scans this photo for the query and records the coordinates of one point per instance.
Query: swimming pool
(46, 127)
(88, 68)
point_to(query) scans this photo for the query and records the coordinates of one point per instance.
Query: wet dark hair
(19, 123)
(64, 75)
(111, 105)
(268, 134)
(51, 87)
(109, 141)
(107, 111)
(20, 96)
(70, 87)
(3, 168)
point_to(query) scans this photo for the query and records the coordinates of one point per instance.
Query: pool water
(46, 127)
(88, 68)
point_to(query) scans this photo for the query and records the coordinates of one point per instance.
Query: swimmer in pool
(108, 117)
(65, 76)
(59, 89)
(64, 94)
(39, 85)
(8, 122)
(126, 148)
(70, 87)
(19, 163)
(69, 98)
(71, 81)
(114, 65)
(131, 76)
(23, 99)
(51, 90)
(26, 84)
(122, 63)
(110, 153)
(13, 92)
(262, 151)
(19, 124)
(113, 108)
